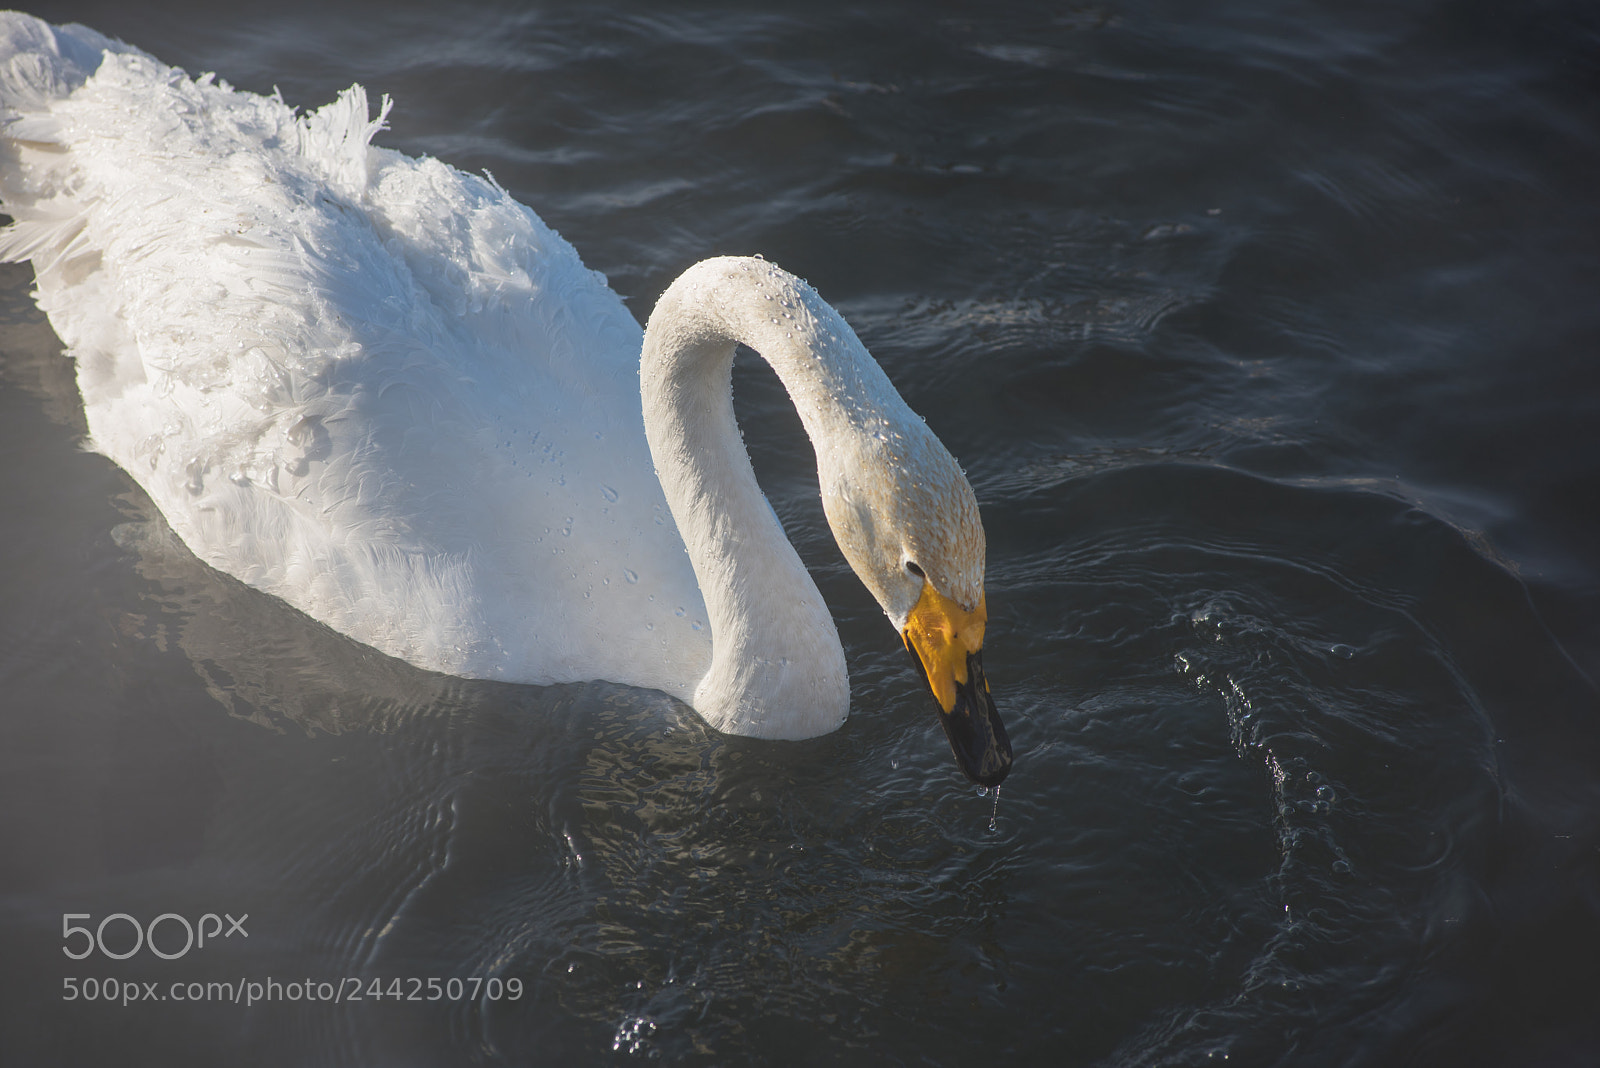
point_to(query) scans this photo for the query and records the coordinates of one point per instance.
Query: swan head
(907, 521)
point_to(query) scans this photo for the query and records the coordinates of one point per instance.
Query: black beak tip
(977, 736)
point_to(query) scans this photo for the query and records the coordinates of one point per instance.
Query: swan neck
(777, 667)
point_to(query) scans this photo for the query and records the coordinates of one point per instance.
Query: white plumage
(371, 385)
(386, 392)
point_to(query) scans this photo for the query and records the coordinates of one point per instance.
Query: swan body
(385, 392)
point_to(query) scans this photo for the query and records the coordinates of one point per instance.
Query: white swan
(387, 393)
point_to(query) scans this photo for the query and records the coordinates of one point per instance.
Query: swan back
(371, 385)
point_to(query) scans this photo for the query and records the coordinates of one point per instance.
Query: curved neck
(777, 667)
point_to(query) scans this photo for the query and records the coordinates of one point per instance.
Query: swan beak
(946, 641)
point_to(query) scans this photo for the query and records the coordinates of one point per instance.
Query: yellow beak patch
(942, 634)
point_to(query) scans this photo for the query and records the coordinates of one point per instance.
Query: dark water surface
(1268, 335)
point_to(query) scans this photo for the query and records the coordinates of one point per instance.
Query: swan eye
(912, 567)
